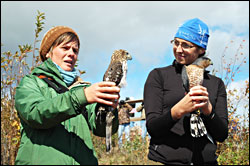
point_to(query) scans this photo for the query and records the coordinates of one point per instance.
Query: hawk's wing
(193, 74)
(114, 73)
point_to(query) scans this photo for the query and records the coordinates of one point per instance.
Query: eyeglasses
(184, 46)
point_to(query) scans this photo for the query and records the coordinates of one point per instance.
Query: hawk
(193, 75)
(116, 72)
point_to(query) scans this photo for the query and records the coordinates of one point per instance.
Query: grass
(233, 151)
(133, 152)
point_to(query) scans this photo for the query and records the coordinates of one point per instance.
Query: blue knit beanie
(194, 31)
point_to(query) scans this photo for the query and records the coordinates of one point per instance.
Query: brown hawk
(193, 75)
(116, 72)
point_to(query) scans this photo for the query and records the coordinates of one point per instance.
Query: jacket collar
(49, 69)
(177, 66)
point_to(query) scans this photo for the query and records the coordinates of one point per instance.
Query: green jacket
(53, 128)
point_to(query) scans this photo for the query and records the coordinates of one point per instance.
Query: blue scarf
(68, 76)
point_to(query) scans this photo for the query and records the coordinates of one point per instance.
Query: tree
(13, 68)
(235, 149)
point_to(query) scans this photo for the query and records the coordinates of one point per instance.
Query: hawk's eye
(126, 53)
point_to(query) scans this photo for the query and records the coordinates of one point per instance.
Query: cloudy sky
(142, 28)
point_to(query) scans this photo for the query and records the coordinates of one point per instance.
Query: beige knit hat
(50, 36)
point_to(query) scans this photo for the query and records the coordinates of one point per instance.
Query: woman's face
(65, 55)
(185, 52)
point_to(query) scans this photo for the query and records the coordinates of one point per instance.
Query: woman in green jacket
(57, 109)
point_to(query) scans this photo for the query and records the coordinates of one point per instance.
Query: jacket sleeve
(217, 122)
(156, 117)
(41, 107)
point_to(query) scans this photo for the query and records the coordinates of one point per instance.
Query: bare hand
(103, 92)
(197, 98)
(199, 95)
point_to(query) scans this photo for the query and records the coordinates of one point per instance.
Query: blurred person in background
(141, 109)
(124, 110)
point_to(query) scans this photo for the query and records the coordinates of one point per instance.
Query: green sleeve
(41, 107)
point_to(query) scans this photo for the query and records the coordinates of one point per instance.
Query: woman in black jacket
(168, 107)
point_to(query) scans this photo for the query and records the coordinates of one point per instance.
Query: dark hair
(203, 54)
(65, 37)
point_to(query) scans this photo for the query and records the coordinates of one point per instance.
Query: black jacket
(171, 141)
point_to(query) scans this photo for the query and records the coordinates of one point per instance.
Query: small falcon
(193, 75)
(116, 72)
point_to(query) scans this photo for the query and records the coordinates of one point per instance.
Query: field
(233, 151)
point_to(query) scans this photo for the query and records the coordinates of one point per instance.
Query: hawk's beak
(129, 57)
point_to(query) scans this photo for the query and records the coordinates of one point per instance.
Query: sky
(143, 28)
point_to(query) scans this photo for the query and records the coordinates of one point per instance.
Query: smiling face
(186, 52)
(64, 52)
